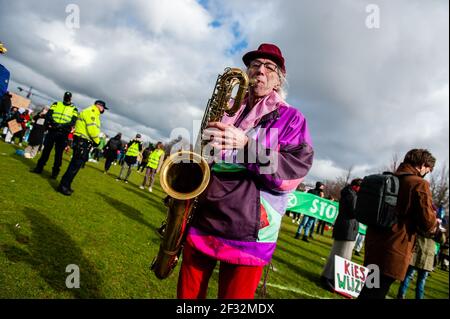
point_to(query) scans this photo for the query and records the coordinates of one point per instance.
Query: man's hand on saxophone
(224, 136)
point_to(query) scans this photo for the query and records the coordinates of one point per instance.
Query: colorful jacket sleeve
(282, 167)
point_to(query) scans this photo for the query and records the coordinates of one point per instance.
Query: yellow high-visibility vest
(153, 159)
(133, 149)
(88, 124)
(62, 114)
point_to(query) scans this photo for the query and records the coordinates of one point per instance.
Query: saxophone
(185, 174)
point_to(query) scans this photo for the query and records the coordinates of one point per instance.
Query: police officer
(59, 121)
(86, 135)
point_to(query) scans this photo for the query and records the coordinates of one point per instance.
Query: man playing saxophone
(238, 216)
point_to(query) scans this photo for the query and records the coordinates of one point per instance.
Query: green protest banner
(312, 205)
(315, 206)
(362, 229)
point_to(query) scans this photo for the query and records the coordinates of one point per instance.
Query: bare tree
(439, 186)
(345, 178)
(333, 188)
(301, 187)
(394, 164)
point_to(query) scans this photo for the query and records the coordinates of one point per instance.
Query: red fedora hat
(267, 51)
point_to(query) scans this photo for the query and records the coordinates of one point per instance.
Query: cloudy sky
(371, 77)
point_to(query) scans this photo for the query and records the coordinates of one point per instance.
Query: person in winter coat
(37, 134)
(391, 248)
(422, 263)
(5, 107)
(14, 114)
(345, 231)
(24, 123)
(110, 150)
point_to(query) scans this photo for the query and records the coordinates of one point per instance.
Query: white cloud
(367, 93)
(324, 170)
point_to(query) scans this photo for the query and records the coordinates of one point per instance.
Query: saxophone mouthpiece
(252, 82)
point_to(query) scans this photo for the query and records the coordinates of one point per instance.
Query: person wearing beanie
(113, 146)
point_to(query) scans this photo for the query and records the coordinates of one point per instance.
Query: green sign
(362, 229)
(315, 206)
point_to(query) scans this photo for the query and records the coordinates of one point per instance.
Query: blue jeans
(420, 285)
(359, 242)
(307, 222)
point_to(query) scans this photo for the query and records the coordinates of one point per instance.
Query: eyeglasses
(269, 66)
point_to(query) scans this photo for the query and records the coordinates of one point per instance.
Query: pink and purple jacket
(238, 217)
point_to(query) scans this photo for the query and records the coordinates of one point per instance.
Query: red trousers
(235, 281)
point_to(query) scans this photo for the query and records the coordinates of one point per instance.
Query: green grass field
(107, 228)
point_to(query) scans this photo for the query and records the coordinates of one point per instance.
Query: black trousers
(109, 160)
(142, 165)
(377, 293)
(59, 141)
(321, 227)
(80, 155)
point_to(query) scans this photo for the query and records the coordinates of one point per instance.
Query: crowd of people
(62, 128)
(242, 234)
(9, 113)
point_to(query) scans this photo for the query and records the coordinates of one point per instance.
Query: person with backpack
(110, 150)
(345, 231)
(390, 247)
